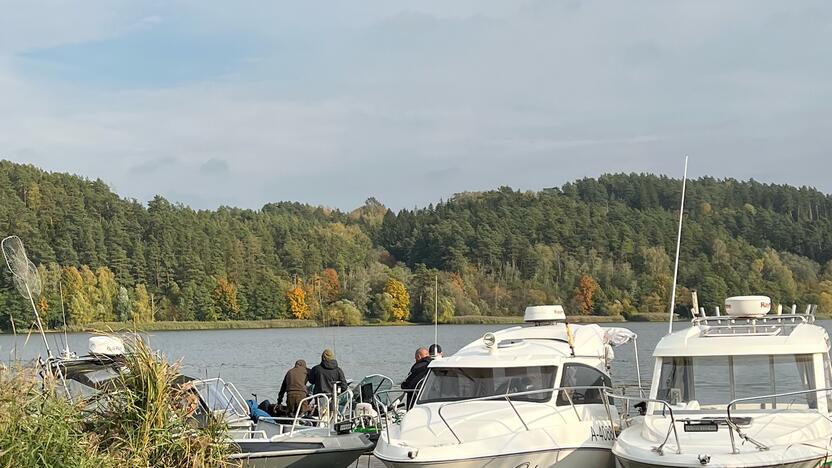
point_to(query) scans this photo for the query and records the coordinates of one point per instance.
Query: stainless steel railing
(728, 421)
(666, 405)
(760, 446)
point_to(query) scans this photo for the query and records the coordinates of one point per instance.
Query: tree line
(599, 246)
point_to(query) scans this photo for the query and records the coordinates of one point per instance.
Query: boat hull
(813, 463)
(563, 458)
(340, 459)
(303, 451)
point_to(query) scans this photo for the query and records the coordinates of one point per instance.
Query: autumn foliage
(401, 299)
(586, 289)
(297, 303)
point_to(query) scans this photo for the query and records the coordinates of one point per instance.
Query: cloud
(214, 167)
(152, 166)
(469, 95)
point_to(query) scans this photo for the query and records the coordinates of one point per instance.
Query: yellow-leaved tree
(297, 303)
(401, 299)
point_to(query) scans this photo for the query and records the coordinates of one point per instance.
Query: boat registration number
(701, 427)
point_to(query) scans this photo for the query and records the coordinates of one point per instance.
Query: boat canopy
(531, 346)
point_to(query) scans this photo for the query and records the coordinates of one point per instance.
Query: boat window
(458, 383)
(580, 375)
(714, 381)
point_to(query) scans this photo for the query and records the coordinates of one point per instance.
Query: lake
(256, 360)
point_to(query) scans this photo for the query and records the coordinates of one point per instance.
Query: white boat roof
(535, 346)
(702, 340)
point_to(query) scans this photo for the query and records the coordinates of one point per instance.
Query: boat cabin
(745, 357)
(529, 363)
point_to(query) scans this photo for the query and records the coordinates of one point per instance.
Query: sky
(214, 103)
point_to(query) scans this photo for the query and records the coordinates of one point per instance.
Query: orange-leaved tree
(586, 289)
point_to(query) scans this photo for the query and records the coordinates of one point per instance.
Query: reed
(39, 429)
(147, 423)
(143, 421)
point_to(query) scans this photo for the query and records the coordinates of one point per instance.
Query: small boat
(746, 389)
(274, 442)
(520, 397)
(261, 442)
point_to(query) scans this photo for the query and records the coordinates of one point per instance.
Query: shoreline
(289, 323)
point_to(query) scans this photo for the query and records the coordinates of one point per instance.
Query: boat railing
(729, 421)
(751, 326)
(315, 398)
(508, 398)
(670, 430)
(384, 408)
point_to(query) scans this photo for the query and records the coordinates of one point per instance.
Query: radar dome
(748, 306)
(543, 314)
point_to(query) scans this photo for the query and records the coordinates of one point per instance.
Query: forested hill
(600, 246)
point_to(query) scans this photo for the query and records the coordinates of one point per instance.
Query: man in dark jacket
(418, 371)
(294, 386)
(325, 375)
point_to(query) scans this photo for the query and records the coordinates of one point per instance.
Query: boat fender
(704, 459)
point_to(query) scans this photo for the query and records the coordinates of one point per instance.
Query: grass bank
(193, 325)
(491, 320)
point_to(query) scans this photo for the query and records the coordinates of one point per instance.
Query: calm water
(255, 360)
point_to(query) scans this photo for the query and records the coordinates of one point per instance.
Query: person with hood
(294, 386)
(418, 371)
(327, 374)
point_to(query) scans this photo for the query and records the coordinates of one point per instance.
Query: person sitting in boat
(435, 351)
(294, 387)
(418, 372)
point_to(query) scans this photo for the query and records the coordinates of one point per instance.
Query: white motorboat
(745, 389)
(521, 397)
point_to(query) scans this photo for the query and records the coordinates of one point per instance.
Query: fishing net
(24, 273)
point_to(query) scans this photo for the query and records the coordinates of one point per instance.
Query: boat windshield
(462, 383)
(219, 396)
(710, 382)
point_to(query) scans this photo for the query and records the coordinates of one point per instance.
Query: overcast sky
(243, 103)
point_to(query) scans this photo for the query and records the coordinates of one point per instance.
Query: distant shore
(287, 323)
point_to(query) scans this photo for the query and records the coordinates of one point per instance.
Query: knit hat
(327, 355)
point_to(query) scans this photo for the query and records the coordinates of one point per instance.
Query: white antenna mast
(678, 246)
(436, 311)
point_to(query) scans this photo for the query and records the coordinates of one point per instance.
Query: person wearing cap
(294, 386)
(418, 372)
(435, 351)
(327, 374)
